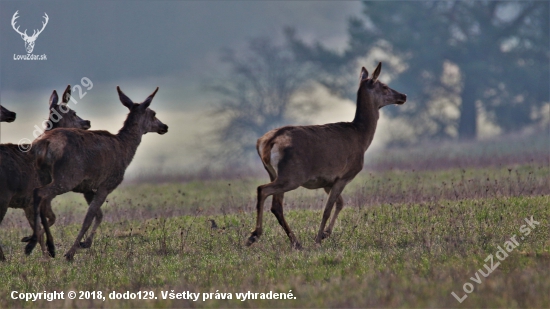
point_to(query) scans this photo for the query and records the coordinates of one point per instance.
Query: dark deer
(18, 174)
(323, 156)
(89, 162)
(6, 115)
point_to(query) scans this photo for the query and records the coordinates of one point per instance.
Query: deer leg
(50, 215)
(29, 213)
(277, 210)
(89, 196)
(259, 217)
(93, 209)
(49, 238)
(263, 192)
(42, 202)
(339, 206)
(335, 192)
(88, 242)
(260, 210)
(3, 210)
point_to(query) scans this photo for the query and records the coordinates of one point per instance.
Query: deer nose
(403, 99)
(163, 130)
(87, 125)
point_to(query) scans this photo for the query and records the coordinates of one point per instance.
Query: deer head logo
(29, 40)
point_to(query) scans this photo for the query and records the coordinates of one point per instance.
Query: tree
(453, 59)
(260, 94)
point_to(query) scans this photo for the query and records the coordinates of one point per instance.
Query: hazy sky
(140, 45)
(113, 40)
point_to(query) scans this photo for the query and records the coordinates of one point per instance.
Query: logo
(29, 40)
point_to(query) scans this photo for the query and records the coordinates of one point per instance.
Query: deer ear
(124, 99)
(54, 98)
(377, 72)
(66, 95)
(364, 74)
(149, 99)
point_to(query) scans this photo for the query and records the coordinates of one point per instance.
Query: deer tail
(44, 158)
(264, 150)
(264, 147)
(41, 152)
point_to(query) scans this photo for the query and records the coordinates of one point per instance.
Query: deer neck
(130, 135)
(366, 118)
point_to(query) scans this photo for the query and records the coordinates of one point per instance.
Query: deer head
(29, 40)
(141, 115)
(6, 115)
(379, 93)
(62, 116)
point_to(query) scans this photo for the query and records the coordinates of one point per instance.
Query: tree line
(454, 59)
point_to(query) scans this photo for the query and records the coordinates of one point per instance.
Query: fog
(141, 45)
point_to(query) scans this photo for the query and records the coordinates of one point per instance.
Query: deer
(29, 40)
(6, 115)
(89, 162)
(18, 175)
(325, 156)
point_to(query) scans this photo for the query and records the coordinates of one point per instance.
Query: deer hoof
(297, 246)
(318, 240)
(86, 244)
(26, 239)
(252, 239)
(30, 246)
(69, 256)
(51, 250)
(326, 234)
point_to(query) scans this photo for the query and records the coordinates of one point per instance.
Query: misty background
(139, 46)
(182, 47)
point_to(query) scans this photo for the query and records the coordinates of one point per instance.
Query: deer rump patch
(49, 150)
(271, 148)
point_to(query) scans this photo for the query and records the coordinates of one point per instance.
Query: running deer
(322, 156)
(89, 162)
(18, 175)
(6, 115)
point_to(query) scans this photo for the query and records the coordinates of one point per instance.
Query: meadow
(406, 238)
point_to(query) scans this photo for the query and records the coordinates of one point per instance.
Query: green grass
(411, 253)
(215, 196)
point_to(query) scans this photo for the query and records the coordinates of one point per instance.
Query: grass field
(405, 238)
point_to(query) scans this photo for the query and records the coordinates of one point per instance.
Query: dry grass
(211, 197)
(405, 238)
(401, 255)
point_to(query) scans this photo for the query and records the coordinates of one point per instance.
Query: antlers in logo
(29, 40)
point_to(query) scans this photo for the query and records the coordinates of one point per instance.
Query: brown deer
(18, 174)
(322, 156)
(6, 115)
(89, 162)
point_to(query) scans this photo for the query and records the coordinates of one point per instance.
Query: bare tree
(260, 94)
(496, 50)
